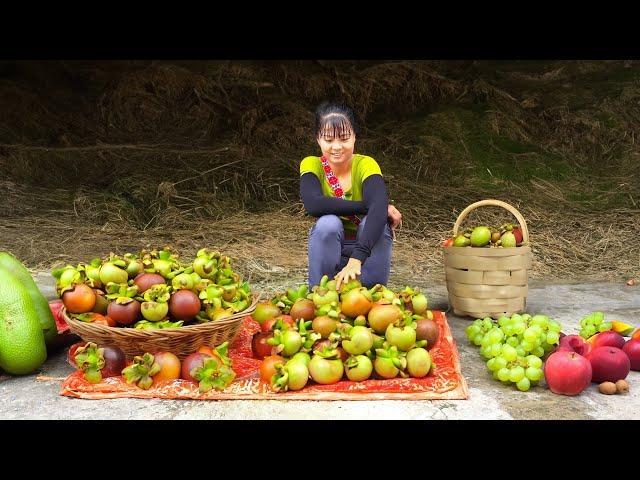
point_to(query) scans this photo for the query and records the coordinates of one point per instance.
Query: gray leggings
(329, 252)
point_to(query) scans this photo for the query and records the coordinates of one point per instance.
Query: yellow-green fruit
(48, 324)
(480, 236)
(22, 347)
(461, 241)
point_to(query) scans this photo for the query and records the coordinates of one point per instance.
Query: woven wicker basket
(488, 282)
(181, 341)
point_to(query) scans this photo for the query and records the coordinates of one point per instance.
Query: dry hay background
(114, 156)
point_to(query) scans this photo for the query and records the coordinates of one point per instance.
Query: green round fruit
(508, 240)
(480, 236)
(461, 241)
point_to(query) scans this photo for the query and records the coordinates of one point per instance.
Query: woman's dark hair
(335, 117)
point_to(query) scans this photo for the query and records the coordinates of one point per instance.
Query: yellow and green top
(362, 167)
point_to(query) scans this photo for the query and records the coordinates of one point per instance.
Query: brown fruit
(608, 388)
(427, 330)
(622, 386)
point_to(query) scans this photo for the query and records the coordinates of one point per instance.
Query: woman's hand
(349, 272)
(395, 216)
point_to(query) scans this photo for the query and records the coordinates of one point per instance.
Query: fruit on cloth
(358, 368)
(622, 328)
(448, 242)
(358, 341)
(632, 349)
(268, 367)
(607, 339)
(326, 369)
(79, 299)
(22, 341)
(418, 362)
(382, 315)
(265, 311)
(142, 371)
(622, 386)
(47, 321)
(184, 305)
(356, 302)
(192, 361)
(404, 338)
(567, 373)
(609, 364)
(302, 308)
(259, 346)
(427, 330)
(170, 367)
(293, 375)
(114, 361)
(608, 388)
(324, 325)
(480, 236)
(215, 372)
(575, 343)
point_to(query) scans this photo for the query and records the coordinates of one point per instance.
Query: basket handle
(494, 203)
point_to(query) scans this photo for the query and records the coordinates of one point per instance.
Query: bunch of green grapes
(594, 323)
(515, 346)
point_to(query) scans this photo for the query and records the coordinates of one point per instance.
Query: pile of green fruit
(507, 236)
(27, 326)
(515, 346)
(152, 289)
(326, 334)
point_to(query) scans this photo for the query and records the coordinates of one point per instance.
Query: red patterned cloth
(446, 382)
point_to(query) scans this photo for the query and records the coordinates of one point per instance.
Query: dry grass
(206, 153)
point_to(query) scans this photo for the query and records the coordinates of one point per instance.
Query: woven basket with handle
(180, 341)
(488, 282)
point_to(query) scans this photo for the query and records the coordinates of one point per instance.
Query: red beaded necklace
(335, 185)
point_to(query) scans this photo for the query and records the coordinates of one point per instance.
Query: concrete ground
(28, 398)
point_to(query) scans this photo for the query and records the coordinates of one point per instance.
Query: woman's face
(337, 147)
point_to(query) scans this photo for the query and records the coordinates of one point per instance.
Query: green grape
(520, 351)
(487, 323)
(485, 352)
(530, 335)
(491, 364)
(516, 374)
(478, 339)
(509, 353)
(539, 320)
(503, 321)
(533, 373)
(590, 330)
(501, 362)
(547, 347)
(538, 352)
(526, 317)
(588, 320)
(605, 326)
(519, 328)
(495, 375)
(503, 374)
(496, 349)
(553, 337)
(555, 327)
(534, 361)
(528, 346)
(508, 330)
(598, 318)
(495, 335)
(516, 317)
(513, 341)
(523, 384)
